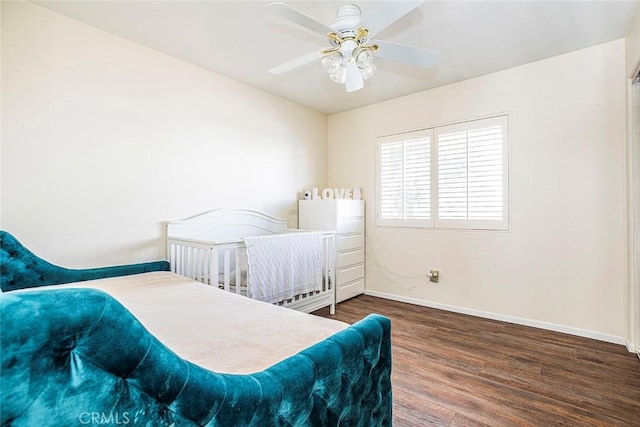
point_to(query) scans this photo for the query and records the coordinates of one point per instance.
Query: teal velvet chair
(20, 268)
(76, 356)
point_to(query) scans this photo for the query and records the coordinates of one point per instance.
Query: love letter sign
(336, 193)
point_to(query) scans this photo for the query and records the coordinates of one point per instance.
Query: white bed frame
(198, 246)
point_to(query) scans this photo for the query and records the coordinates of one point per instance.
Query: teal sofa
(76, 356)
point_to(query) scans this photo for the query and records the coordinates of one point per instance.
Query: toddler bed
(254, 254)
(160, 349)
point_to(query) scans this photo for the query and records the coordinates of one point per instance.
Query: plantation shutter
(472, 168)
(404, 180)
(453, 176)
(391, 163)
(417, 179)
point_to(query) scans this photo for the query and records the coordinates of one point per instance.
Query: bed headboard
(20, 268)
(226, 224)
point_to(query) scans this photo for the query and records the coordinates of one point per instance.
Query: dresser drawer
(350, 241)
(350, 257)
(348, 274)
(351, 210)
(349, 290)
(350, 225)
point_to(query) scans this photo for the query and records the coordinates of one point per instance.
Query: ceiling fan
(349, 57)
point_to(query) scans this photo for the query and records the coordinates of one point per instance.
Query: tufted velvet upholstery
(21, 268)
(77, 357)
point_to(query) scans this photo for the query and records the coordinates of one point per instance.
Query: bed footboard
(74, 356)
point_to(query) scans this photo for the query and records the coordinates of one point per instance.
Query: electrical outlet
(434, 276)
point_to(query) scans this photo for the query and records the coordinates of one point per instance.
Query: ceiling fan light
(332, 62)
(368, 72)
(328, 65)
(363, 56)
(339, 75)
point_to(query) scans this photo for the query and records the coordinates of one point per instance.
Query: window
(405, 180)
(453, 176)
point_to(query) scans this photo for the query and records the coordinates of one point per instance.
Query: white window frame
(434, 222)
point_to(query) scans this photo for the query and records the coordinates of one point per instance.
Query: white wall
(104, 139)
(562, 265)
(633, 45)
(1, 116)
(633, 172)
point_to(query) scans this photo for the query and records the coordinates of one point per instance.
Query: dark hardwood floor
(451, 369)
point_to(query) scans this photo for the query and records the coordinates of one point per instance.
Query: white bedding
(281, 266)
(215, 329)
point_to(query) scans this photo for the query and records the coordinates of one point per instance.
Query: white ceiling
(243, 39)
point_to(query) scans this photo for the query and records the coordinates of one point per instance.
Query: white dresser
(346, 218)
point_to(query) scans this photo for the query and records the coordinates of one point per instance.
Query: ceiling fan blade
(296, 62)
(386, 14)
(302, 19)
(404, 53)
(354, 80)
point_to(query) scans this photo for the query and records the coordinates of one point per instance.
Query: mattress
(217, 330)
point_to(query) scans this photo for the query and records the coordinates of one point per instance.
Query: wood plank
(413, 410)
(451, 369)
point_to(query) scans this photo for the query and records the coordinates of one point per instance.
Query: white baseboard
(510, 319)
